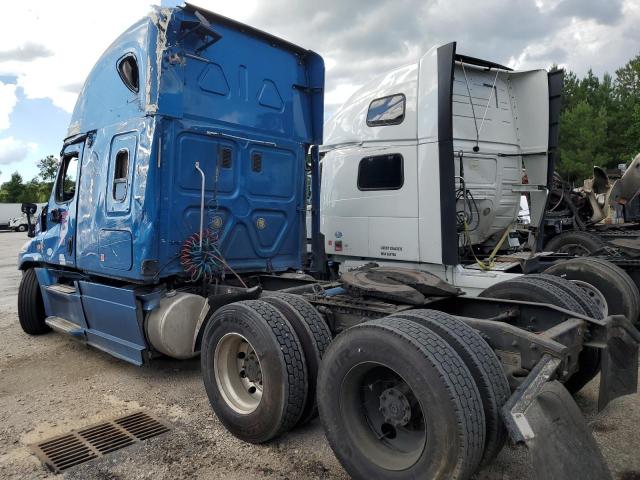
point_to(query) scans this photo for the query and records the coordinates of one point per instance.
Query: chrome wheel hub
(238, 373)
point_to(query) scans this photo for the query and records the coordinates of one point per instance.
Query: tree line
(599, 121)
(36, 190)
(599, 125)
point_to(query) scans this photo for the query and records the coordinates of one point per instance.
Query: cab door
(59, 242)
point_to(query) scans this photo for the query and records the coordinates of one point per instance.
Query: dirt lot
(52, 384)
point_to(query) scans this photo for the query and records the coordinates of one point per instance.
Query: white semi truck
(403, 146)
(423, 168)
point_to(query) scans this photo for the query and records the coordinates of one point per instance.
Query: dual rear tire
(587, 286)
(412, 395)
(617, 288)
(547, 289)
(260, 361)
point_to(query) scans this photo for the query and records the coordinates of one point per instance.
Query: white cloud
(340, 93)
(8, 100)
(13, 151)
(358, 39)
(25, 53)
(73, 36)
(586, 44)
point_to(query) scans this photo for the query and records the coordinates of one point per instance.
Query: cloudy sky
(48, 47)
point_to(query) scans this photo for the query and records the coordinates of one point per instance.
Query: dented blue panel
(104, 98)
(99, 212)
(115, 249)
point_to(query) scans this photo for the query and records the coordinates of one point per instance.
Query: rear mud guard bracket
(542, 415)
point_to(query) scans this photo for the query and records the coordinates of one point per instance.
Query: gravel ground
(52, 384)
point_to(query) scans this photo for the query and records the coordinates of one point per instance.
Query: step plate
(65, 326)
(79, 446)
(61, 288)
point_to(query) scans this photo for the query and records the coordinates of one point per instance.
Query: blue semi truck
(176, 226)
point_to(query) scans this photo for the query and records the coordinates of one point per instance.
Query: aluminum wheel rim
(238, 373)
(596, 295)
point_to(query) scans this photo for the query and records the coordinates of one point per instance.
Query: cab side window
(122, 159)
(386, 111)
(121, 176)
(128, 71)
(381, 172)
(67, 178)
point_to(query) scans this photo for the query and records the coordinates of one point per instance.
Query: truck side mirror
(43, 218)
(30, 209)
(55, 215)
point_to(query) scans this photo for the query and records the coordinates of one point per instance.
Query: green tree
(48, 167)
(592, 105)
(627, 94)
(571, 94)
(11, 191)
(583, 131)
(32, 192)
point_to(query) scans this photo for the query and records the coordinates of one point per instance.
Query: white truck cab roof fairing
(458, 111)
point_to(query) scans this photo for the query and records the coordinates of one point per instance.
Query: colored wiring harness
(201, 263)
(204, 263)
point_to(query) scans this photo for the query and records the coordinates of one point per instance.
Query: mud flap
(563, 446)
(619, 365)
(542, 415)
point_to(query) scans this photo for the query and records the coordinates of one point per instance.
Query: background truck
(21, 222)
(429, 175)
(9, 211)
(599, 218)
(176, 227)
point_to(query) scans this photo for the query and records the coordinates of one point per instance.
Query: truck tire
(588, 304)
(21, 228)
(314, 335)
(484, 366)
(31, 312)
(382, 386)
(532, 289)
(528, 288)
(254, 370)
(576, 243)
(617, 287)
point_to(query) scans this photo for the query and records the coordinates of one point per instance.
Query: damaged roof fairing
(160, 18)
(162, 41)
(114, 102)
(243, 27)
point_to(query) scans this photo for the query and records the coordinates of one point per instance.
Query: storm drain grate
(79, 446)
